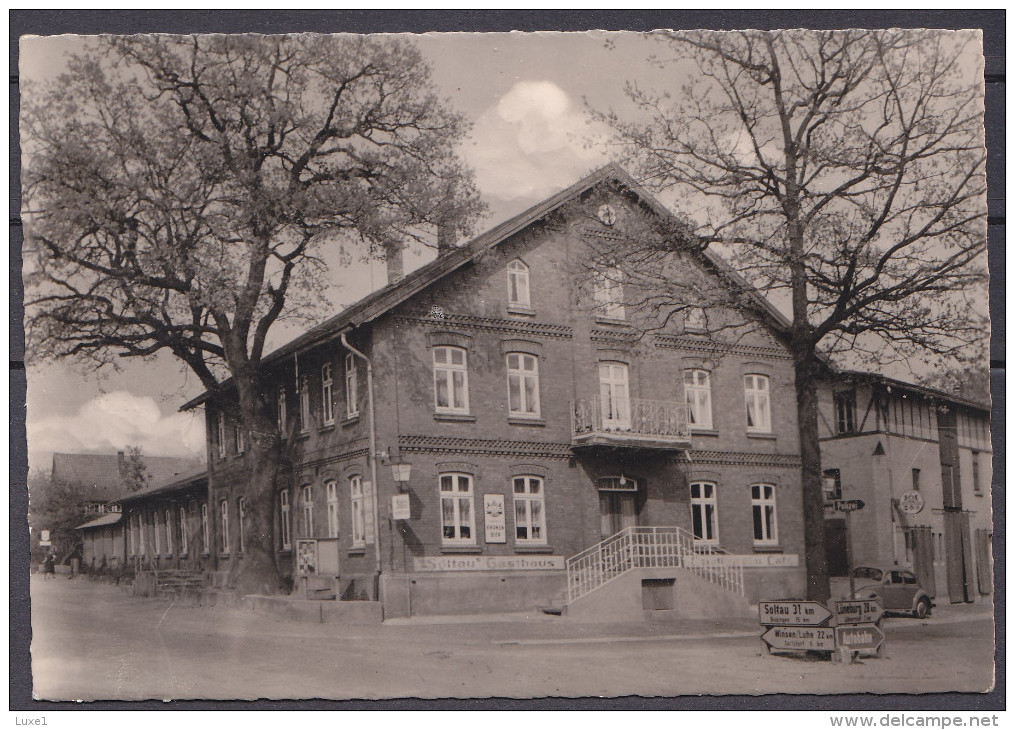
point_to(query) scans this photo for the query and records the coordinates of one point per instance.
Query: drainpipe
(373, 462)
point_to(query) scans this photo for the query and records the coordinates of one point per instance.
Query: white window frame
(358, 511)
(523, 503)
(307, 496)
(241, 509)
(445, 372)
(615, 395)
(763, 504)
(705, 506)
(205, 531)
(522, 376)
(130, 535)
(608, 293)
(224, 522)
(184, 537)
(238, 439)
(155, 531)
(142, 548)
(280, 403)
(304, 386)
(844, 403)
(284, 511)
(331, 491)
(169, 531)
(351, 386)
(327, 395)
(698, 395)
(457, 497)
(761, 399)
(518, 284)
(222, 434)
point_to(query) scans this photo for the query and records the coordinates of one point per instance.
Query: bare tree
(842, 173)
(179, 192)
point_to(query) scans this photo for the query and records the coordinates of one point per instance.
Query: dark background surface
(53, 22)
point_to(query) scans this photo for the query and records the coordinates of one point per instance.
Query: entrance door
(835, 547)
(958, 557)
(617, 510)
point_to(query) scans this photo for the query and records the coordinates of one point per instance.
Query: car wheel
(922, 608)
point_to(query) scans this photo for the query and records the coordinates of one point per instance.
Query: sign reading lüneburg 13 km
(792, 613)
(858, 612)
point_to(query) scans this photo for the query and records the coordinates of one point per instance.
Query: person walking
(49, 566)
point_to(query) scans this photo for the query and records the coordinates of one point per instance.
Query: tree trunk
(813, 496)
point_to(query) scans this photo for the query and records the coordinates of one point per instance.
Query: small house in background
(920, 460)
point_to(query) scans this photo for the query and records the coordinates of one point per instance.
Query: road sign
(911, 502)
(792, 613)
(858, 612)
(848, 505)
(799, 638)
(861, 636)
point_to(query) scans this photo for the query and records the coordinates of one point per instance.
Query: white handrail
(650, 547)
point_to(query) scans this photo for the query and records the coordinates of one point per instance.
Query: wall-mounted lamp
(400, 473)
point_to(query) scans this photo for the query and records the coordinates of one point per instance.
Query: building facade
(920, 460)
(535, 418)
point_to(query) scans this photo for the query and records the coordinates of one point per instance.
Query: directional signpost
(793, 613)
(850, 627)
(857, 638)
(800, 638)
(858, 612)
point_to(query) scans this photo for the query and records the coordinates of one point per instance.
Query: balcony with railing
(629, 422)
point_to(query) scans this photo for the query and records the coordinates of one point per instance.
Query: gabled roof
(180, 483)
(108, 519)
(383, 300)
(100, 476)
(861, 376)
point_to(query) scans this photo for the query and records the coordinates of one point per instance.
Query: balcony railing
(629, 421)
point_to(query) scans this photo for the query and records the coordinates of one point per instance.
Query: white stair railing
(650, 547)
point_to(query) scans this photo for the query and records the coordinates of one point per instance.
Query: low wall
(452, 594)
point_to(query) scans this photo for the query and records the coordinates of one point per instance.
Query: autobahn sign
(800, 638)
(848, 505)
(859, 637)
(858, 612)
(792, 613)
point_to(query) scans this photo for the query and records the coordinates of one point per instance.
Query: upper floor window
(694, 319)
(308, 510)
(327, 395)
(916, 480)
(977, 486)
(614, 400)
(766, 530)
(283, 499)
(756, 393)
(518, 283)
(457, 518)
(238, 440)
(608, 293)
(351, 387)
(530, 515)
(698, 393)
(523, 385)
(224, 516)
(703, 512)
(241, 510)
(281, 409)
(331, 488)
(451, 380)
(222, 434)
(358, 508)
(304, 386)
(845, 411)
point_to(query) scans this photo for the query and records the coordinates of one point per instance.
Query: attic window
(518, 284)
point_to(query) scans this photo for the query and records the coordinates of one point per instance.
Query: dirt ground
(93, 641)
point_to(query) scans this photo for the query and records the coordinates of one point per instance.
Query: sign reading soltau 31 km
(792, 613)
(858, 612)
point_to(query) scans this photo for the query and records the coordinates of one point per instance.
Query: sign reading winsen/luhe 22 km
(792, 613)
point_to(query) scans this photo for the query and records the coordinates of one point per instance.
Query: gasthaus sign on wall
(488, 562)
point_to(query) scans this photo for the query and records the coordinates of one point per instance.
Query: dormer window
(518, 284)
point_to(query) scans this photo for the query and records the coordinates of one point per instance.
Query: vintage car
(898, 590)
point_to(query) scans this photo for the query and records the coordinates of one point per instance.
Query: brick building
(920, 459)
(538, 427)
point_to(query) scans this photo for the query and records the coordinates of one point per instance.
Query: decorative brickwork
(677, 342)
(739, 458)
(489, 324)
(487, 447)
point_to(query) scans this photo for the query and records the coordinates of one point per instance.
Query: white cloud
(113, 420)
(531, 143)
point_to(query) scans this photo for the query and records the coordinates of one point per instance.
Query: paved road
(93, 641)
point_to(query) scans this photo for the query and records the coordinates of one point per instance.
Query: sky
(526, 95)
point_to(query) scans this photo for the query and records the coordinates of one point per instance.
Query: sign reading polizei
(858, 612)
(848, 505)
(800, 638)
(792, 613)
(861, 636)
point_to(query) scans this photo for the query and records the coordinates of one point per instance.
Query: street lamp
(400, 473)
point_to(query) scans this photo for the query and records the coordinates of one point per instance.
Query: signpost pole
(849, 553)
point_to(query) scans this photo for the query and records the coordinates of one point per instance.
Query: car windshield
(868, 574)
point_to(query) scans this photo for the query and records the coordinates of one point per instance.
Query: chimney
(396, 265)
(445, 238)
(121, 463)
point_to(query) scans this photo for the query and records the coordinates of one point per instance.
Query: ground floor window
(332, 490)
(224, 516)
(359, 533)
(184, 539)
(530, 517)
(205, 537)
(457, 519)
(308, 510)
(703, 512)
(241, 509)
(284, 501)
(169, 532)
(763, 506)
